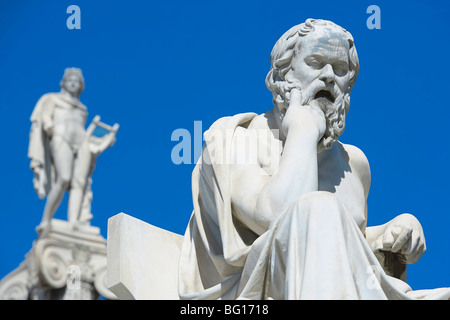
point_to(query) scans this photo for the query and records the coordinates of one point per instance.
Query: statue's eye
(340, 69)
(314, 63)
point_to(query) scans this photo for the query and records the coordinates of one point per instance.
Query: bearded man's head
(319, 58)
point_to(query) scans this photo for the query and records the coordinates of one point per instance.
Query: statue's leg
(74, 203)
(63, 162)
(319, 252)
(79, 183)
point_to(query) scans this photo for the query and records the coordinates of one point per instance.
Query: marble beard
(293, 226)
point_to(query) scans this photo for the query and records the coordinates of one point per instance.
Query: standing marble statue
(68, 259)
(63, 154)
(292, 223)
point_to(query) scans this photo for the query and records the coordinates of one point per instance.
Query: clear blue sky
(156, 66)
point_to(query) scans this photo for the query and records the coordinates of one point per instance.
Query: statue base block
(65, 263)
(142, 260)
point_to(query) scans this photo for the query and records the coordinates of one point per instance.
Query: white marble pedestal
(63, 264)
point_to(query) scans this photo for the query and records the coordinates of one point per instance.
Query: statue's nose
(327, 74)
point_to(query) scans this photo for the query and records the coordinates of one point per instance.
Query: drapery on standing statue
(289, 221)
(63, 154)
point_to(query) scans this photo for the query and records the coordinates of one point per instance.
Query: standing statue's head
(72, 81)
(319, 58)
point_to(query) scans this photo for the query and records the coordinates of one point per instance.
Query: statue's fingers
(296, 97)
(388, 238)
(416, 250)
(402, 238)
(413, 244)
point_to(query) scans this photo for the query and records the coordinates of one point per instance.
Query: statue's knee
(77, 184)
(63, 182)
(317, 197)
(319, 204)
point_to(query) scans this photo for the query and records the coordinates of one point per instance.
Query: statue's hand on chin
(303, 119)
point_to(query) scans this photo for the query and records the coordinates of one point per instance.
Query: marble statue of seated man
(287, 219)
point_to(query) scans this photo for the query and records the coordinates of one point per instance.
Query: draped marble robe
(223, 259)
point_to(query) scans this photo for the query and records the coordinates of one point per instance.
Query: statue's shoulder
(358, 163)
(51, 95)
(45, 98)
(232, 122)
(355, 153)
(43, 105)
(48, 100)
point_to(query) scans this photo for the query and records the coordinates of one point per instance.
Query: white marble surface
(142, 259)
